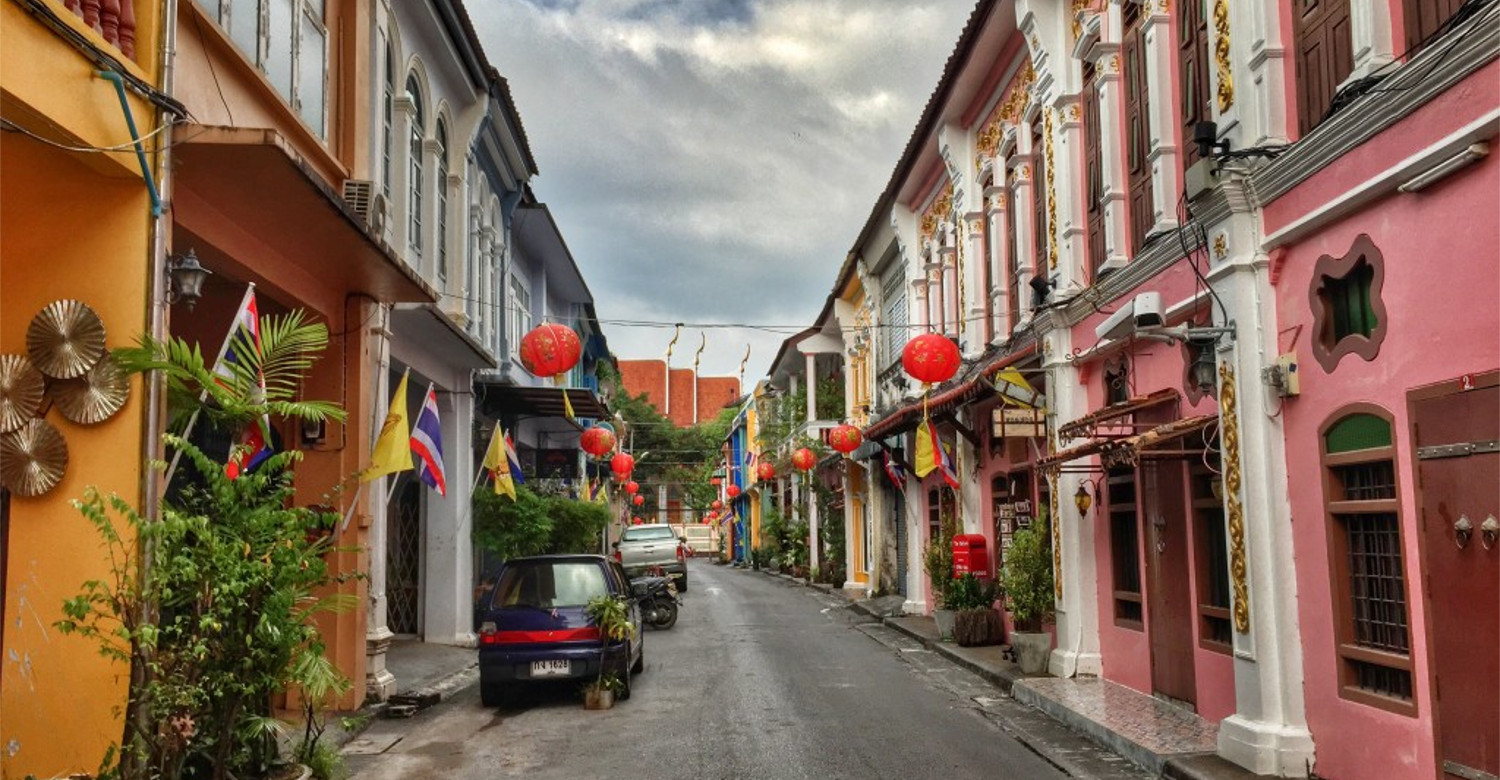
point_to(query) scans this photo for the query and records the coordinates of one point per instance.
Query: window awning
(1130, 449)
(1086, 425)
(497, 400)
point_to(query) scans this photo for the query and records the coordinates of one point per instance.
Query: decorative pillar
(405, 113)
(380, 684)
(1110, 86)
(1021, 191)
(1162, 124)
(976, 302)
(919, 303)
(448, 598)
(811, 361)
(999, 290)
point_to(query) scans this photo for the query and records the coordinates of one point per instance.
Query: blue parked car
(533, 626)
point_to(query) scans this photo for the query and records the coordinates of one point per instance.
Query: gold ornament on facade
(21, 391)
(1057, 569)
(940, 208)
(65, 339)
(95, 396)
(1235, 512)
(1009, 109)
(1074, 11)
(1221, 55)
(1051, 195)
(1221, 246)
(32, 459)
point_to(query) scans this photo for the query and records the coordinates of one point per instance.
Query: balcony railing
(113, 19)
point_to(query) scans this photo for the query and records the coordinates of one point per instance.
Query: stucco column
(380, 684)
(1268, 732)
(919, 304)
(400, 220)
(1110, 86)
(1164, 128)
(999, 292)
(933, 267)
(1070, 184)
(811, 361)
(812, 494)
(911, 515)
(1077, 650)
(1370, 33)
(1026, 238)
(447, 591)
(949, 259)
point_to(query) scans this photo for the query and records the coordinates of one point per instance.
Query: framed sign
(1010, 422)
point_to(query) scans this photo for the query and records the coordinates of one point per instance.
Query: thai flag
(894, 472)
(246, 325)
(945, 461)
(515, 462)
(427, 445)
(252, 449)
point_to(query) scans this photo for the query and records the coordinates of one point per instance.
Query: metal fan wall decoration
(66, 366)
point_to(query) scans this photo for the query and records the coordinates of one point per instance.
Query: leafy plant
(937, 562)
(970, 592)
(536, 524)
(1026, 576)
(612, 617)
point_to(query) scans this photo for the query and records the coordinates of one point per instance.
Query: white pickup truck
(644, 548)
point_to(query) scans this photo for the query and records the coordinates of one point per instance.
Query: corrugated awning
(541, 401)
(1130, 449)
(1084, 426)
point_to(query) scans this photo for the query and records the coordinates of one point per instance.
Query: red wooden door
(1458, 477)
(1169, 600)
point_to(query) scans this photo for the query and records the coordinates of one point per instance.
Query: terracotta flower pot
(598, 699)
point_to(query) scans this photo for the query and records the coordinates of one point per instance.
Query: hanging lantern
(637, 521)
(597, 441)
(622, 464)
(733, 491)
(638, 500)
(550, 349)
(716, 505)
(804, 459)
(930, 358)
(766, 471)
(716, 482)
(706, 520)
(845, 439)
(632, 487)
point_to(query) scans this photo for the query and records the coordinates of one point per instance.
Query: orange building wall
(647, 376)
(714, 393)
(681, 411)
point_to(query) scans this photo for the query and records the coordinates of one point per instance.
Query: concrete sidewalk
(425, 674)
(1159, 737)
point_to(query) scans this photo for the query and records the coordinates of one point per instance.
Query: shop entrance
(1169, 601)
(1456, 427)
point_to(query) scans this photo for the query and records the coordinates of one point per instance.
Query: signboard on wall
(1008, 421)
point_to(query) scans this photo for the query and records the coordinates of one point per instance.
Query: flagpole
(203, 396)
(353, 502)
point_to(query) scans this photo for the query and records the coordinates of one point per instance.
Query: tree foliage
(536, 524)
(684, 459)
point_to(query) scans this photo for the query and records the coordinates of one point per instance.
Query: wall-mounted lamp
(1204, 372)
(185, 277)
(1083, 500)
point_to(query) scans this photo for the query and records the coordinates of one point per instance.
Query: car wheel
(640, 661)
(682, 583)
(624, 692)
(492, 694)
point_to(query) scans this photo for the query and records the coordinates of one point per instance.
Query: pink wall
(1126, 652)
(1441, 280)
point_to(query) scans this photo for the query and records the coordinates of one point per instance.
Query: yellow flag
(1014, 389)
(927, 458)
(393, 446)
(499, 465)
(568, 405)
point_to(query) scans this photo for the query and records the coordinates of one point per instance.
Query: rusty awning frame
(1087, 425)
(1130, 449)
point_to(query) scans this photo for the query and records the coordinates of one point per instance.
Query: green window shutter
(1360, 431)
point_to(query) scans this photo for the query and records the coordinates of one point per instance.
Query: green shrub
(1026, 576)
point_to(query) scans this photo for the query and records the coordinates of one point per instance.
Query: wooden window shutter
(1039, 196)
(1325, 57)
(1138, 130)
(1094, 163)
(1424, 17)
(1192, 63)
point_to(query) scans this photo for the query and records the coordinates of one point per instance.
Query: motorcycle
(658, 600)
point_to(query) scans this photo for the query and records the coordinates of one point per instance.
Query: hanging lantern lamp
(632, 487)
(845, 439)
(733, 491)
(622, 464)
(597, 441)
(804, 459)
(638, 500)
(716, 505)
(766, 471)
(930, 358)
(550, 349)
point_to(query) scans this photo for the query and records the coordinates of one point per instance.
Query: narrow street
(760, 678)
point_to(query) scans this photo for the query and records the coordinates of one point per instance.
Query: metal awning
(1085, 426)
(1130, 449)
(497, 400)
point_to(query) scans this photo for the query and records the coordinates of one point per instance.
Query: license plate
(550, 668)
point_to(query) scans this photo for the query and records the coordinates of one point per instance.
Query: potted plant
(937, 561)
(1026, 577)
(975, 621)
(610, 615)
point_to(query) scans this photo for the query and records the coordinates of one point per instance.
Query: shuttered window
(1138, 129)
(1013, 302)
(1192, 63)
(1039, 195)
(893, 335)
(1325, 56)
(1425, 17)
(1094, 164)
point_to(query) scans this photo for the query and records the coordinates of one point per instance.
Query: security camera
(1144, 311)
(1147, 310)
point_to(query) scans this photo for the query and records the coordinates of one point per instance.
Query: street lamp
(186, 279)
(1083, 500)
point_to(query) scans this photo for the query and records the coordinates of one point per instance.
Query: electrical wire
(12, 127)
(104, 60)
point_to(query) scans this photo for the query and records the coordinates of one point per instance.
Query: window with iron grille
(1125, 547)
(1366, 562)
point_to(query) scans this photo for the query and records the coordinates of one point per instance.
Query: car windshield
(643, 534)
(549, 584)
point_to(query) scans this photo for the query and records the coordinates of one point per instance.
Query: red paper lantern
(632, 487)
(766, 471)
(637, 521)
(716, 505)
(733, 491)
(550, 349)
(930, 358)
(597, 441)
(706, 520)
(845, 439)
(716, 482)
(622, 465)
(638, 500)
(804, 459)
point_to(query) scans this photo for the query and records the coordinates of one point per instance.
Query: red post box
(970, 556)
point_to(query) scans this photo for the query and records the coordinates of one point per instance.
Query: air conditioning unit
(370, 206)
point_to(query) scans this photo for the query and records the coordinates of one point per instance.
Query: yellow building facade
(75, 224)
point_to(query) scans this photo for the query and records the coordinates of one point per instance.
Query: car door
(623, 584)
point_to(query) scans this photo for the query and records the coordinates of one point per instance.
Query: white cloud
(713, 160)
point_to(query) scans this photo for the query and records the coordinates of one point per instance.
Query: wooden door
(1458, 477)
(1169, 599)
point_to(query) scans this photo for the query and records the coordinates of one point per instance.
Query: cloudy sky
(712, 161)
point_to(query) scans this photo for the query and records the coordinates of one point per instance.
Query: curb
(1004, 679)
(443, 688)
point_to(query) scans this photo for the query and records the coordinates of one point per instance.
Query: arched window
(414, 173)
(441, 239)
(387, 122)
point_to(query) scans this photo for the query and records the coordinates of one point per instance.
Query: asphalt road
(760, 678)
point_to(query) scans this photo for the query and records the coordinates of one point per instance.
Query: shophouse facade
(74, 226)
